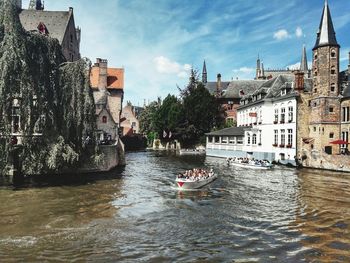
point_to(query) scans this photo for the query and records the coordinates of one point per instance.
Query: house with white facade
(266, 120)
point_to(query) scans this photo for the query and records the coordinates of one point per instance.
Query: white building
(267, 121)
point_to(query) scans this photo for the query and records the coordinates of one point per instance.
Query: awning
(339, 142)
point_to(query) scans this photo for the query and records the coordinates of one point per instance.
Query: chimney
(102, 79)
(299, 80)
(218, 85)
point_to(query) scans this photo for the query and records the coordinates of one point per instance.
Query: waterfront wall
(113, 156)
(321, 160)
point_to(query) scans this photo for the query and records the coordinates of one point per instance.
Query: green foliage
(54, 97)
(188, 119)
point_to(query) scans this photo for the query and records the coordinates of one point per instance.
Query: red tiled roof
(115, 78)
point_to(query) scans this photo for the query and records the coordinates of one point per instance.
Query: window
(254, 138)
(345, 114)
(231, 140)
(316, 56)
(333, 70)
(283, 115)
(224, 140)
(276, 116)
(217, 139)
(248, 139)
(345, 137)
(276, 137)
(133, 124)
(239, 140)
(331, 135)
(314, 129)
(104, 119)
(290, 137)
(331, 109)
(332, 87)
(283, 137)
(333, 54)
(290, 114)
(71, 38)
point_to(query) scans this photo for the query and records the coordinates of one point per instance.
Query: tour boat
(192, 151)
(263, 165)
(183, 183)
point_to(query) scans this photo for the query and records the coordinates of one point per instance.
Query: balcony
(289, 146)
(274, 145)
(275, 122)
(281, 122)
(282, 145)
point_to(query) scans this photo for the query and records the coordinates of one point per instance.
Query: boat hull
(188, 184)
(251, 166)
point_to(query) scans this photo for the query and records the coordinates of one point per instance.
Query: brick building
(55, 24)
(130, 119)
(108, 89)
(323, 112)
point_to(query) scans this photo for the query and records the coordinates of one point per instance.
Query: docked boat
(195, 182)
(192, 151)
(252, 164)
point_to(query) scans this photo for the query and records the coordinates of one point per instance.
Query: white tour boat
(253, 164)
(192, 151)
(195, 183)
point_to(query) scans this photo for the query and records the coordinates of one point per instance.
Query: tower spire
(326, 33)
(303, 64)
(36, 5)
(204, 74)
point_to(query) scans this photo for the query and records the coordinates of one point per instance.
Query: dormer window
(283, 92)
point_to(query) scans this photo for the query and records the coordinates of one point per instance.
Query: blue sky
(158, 41)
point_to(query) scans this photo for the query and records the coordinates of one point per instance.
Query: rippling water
(137, 215)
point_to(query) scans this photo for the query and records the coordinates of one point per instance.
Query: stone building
(108, 89)
(229, 93)
(56, 24)
(129, 119)
(323, 112)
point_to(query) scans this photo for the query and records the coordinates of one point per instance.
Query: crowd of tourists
(246, 160)
(196, 174)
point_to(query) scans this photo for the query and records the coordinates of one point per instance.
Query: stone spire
(326, 33)
(262, 70)
(303, 64)
(204, 74)
(258, 68)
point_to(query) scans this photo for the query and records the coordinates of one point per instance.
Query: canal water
(136, 214)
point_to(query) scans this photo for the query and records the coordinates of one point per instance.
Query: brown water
(137, 215)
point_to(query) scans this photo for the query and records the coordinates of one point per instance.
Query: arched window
(104, 119)
(254, 138)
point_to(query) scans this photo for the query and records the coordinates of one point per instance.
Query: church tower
(204, 74)
(324, 103)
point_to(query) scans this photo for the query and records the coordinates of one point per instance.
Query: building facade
(56, 24)
(323, 111)
(129, 119)
(108, 89)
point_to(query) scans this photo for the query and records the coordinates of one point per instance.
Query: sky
(157, 42)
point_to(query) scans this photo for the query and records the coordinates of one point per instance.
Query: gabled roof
(234, 131)
(56, 22)
(326, 33)
(211, 86)
(246, 86)
(115, 78)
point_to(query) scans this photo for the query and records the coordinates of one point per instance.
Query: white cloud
(281, 34)
(299, 32)
(244, 70)
(166, 66)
